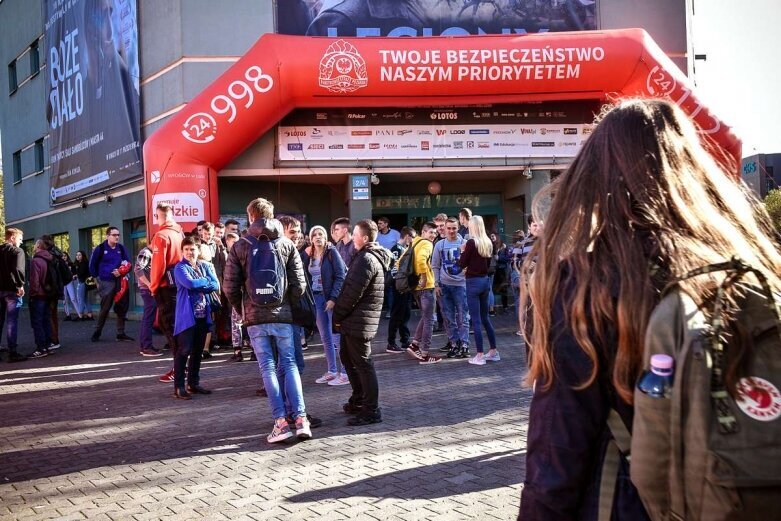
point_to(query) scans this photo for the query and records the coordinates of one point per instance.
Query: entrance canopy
(280, 73)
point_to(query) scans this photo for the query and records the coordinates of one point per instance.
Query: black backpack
(405, 278)
(267, 277)
(57, 276)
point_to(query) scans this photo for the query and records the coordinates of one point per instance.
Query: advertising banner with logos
(281, 73)
(522, 130)
(433, 17)
(92, 95)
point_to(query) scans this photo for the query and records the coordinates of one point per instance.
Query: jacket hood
(272, 228)
(44, 254)
(382, 254)
(171, 225)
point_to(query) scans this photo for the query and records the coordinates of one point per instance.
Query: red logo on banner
(342, 68)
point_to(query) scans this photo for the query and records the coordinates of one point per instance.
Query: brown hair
(643, 202)
(260, 209)
(429, 225)
(368, 228)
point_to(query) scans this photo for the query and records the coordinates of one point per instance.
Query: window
(39, 156)
(12, 83)
(35, 59)
(27, 246)
(62, 241)
(17, 166)
(94, 236)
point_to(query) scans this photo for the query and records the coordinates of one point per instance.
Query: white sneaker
(280, 432)
(303, 430)
(492, 357)
(340, 380)
(327, 377)
(477, 361)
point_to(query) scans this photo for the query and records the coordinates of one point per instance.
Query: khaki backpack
(702, 455)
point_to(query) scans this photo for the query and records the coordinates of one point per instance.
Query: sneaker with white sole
(428, 359)
(280, 432)
(477, 360)
(303, 429)
(492, 357)
(414, 351)
(340, 380)
(40, 353)
(327, 377)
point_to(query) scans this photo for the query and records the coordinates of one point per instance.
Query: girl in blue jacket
(194, 281)
(325, 270)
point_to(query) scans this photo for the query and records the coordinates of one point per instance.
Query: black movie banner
(433, 17)
(92, 95)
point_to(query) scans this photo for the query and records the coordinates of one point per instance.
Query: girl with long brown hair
(642, 204)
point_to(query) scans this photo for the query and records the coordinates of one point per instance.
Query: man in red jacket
(166, 253)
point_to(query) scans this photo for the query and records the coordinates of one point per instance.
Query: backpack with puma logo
(267, 277)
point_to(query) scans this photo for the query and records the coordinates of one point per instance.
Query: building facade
(183, 45)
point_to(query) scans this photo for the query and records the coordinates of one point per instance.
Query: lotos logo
(759, 399)
(187, 206)
(342, 68)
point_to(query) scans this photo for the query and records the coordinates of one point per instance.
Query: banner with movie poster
(341, 18)
(92, 95)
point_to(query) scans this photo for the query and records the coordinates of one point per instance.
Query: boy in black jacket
(356, 317)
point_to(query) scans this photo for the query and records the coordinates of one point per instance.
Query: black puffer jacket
(235, 279)
(359, 306)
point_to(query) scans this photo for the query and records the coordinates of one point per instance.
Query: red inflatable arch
(280, 73)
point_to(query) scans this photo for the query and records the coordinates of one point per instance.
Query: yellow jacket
(423, 249)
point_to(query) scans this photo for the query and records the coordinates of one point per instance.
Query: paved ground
(90, 433)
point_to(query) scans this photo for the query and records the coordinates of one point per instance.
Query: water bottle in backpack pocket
(657, 382)
(711, 452)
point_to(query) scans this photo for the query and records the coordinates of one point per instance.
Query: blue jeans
(426, 302)
(456, 318)
(330, 339)
(41, 319)
(260, 337)
(477, 290)
(84, 307)
(147, 320)
(10, 303)
(491, 298)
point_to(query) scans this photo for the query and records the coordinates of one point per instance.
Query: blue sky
(741, 79)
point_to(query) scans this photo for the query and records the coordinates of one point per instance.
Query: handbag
(214, 301)
(304, 310)
(90, 283)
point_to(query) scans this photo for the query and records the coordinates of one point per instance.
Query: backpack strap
(618, 446)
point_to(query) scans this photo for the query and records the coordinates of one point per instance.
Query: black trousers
(107, 289)
(356, 355)
(166, 311)
(400, 313)
(190, 344)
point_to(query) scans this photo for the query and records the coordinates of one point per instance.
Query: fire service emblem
(342, 68)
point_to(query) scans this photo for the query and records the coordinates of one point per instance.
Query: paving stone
(90, 433)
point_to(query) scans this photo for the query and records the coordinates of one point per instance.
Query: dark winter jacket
(568, 436)
(235, 280)
(359, 306)
(81, 269)
(12, 267)
(332, 271)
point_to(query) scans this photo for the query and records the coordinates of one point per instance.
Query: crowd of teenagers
(197, 287)
(642, 204)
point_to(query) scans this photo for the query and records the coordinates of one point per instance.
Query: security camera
(527, 173)
(374, 179)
